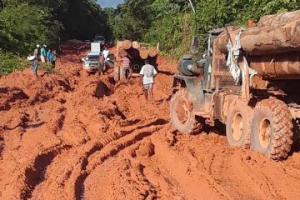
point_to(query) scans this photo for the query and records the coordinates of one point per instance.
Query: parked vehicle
(249, 80)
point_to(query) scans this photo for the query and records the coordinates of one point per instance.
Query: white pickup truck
(91, 62)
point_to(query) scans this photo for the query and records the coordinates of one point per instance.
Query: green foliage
(131, 20)
(172, 22)
(23, 26)
(25, 23)
(84, 19)
(9, 62)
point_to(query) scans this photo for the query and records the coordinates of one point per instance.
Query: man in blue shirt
(43, 53)
(51, 57)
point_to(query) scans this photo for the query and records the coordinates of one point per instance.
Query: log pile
(145, 52)
(137, 53)
(272, 47)
(273, 34)
(279, 19)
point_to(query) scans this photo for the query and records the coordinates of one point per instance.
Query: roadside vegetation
(26, 23)
(172, 22)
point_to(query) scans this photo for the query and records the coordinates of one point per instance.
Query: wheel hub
(237, 126)
(265, 133)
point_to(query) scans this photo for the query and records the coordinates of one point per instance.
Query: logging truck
(249, 80)
(137, 53)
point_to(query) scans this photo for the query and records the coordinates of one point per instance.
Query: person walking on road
(148, 72)
(51, 58)
(35, 60)
(101, 68)
(43, 53)
(124, 72)
(105, 53)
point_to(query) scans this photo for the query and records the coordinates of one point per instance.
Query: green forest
(25, 23)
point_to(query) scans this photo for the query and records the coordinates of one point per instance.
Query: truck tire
(238, 124)
(272, 129)
(116, 74)
(181, 113)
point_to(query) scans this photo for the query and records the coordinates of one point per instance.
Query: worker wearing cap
(148, 72)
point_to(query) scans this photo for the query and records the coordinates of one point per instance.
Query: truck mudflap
(194, 86)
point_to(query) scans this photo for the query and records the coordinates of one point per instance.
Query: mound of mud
(70, 135)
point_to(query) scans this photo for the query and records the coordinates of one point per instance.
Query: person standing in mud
(148, 72)
(43, 53)
(35, 61)
(51, 58)
(101, 64)
(105, 53)
(125, 66)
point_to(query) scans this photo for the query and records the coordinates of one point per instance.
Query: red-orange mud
(70, 135)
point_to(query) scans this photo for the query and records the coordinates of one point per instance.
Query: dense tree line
(25, 23)
(172, 22)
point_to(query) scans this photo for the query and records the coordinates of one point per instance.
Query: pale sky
(109, 3)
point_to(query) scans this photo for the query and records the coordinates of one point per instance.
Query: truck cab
(91, 62)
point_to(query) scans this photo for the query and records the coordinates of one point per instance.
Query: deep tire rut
(109, 151)
(36, 174)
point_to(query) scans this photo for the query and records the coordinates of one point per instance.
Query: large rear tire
(181, 113)
(238, 124)
(272, 129)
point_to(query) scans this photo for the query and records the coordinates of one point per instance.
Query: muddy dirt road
(72, 136)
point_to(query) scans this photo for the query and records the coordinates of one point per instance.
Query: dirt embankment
(70, 135)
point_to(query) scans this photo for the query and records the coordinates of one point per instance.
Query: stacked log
(279, 19)
(262, 40)
(144, 53)
(136, 45)
(270, 40)
(272, 47)
(126, 44)
(153, 52)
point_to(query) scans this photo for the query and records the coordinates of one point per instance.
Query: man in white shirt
(105, 53)
(148, 72)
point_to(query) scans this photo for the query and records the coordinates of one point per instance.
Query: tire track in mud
(60, 172)
(244, 174)
(193, 181)
(35, 174)
(112, 150)
(70, 179)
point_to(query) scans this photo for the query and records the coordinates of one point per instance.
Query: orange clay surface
(70, 135)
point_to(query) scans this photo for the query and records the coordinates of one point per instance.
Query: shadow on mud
(14, 95)
(157, 122)
(102, 90)
(218, 128)
(36, 173)
(166, 73)
(296, 136)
